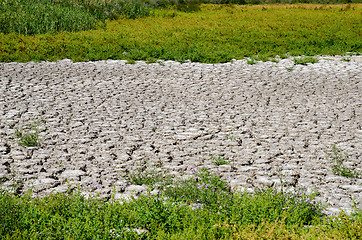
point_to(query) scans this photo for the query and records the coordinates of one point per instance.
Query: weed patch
(206, 190)
(148, 175)
(213, 34)
(28, 137)
(337, 160)
(251, 61)
(202, 207)
(220, 160)
(305, 60)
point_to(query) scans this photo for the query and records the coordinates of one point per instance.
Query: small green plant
(151, 60)
(345, 59)
(28, 137)
(161, 63)
(230, 136)
(251, 61)
(220, 160)
(289, 69)
(205, 190)
(131, 61)
(14, 182)
(146, 175)
(305, 60)
(337, 160)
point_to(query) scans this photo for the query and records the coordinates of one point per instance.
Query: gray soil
(98, 121)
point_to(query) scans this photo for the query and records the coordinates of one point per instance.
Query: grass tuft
(220, 160)
(251, 61)
(305, 60)
(28, 137)
(147, 175)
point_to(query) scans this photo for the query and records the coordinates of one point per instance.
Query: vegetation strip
(201, 207)
(214, 33)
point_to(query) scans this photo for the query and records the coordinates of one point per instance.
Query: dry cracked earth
(101, 121)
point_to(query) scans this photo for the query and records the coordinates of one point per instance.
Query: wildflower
(323, 211)
(197, 205)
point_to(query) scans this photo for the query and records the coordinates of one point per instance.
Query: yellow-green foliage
(215, 33)
(201, 207)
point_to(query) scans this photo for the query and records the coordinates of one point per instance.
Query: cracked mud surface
(100, 120)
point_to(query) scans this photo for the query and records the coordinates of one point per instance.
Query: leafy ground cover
(201, 207)
(211, 34)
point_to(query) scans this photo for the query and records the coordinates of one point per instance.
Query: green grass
(202, 207)
(147, 175)
(211, 34)
(42, 16)
(220, 160)
(251, 61)
(305, 60)
(28, 137)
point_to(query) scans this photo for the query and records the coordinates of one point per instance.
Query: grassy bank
(210, 34)
(202, 207)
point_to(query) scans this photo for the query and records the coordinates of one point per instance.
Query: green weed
(337, 159)
(345, 59)
(148, 175)
(305, 60)
(205, 190)
(151, 60)
(28, 137)
(14, 182)
(220, 160)
(251, 61)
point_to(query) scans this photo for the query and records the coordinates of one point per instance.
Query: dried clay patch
(98, 121)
